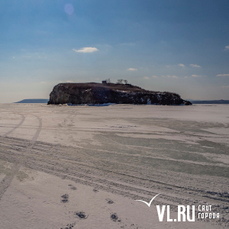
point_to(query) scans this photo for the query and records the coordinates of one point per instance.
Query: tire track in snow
(5, 183)
(18, 125)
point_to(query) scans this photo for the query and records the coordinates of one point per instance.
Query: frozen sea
(128, 151)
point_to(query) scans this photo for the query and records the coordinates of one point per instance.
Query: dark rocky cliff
(97, 93)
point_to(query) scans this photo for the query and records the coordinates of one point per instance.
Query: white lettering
(181, 212)
(168, 214)
(160, 212)
(193, 213)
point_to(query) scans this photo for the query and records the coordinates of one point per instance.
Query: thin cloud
(69, 9)
(223, 75)
(195, 65)
(225, 86)
(174, 77)
(227, 47)
(154, 76)
(86, 50)
(196, 76)
(146, 77)
(132, 69)
(181, 65)
(171, 76)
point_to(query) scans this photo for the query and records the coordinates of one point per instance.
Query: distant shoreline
(33, 101)
(210, 101)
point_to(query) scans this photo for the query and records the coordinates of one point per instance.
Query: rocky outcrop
(97, 93)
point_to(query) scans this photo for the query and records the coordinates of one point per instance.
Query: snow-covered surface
(104, 158)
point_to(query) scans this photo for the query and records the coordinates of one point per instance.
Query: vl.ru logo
(183, 213)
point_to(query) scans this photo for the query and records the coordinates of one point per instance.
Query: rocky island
(100, 93)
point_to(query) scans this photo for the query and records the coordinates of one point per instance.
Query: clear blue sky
(180, 46)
